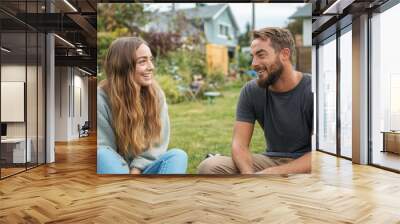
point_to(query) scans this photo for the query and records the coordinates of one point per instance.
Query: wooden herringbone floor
(69, 191)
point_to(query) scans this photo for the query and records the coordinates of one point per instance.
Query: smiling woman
(133, 122)
(144, 66)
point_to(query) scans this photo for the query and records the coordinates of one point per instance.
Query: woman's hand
(135, 171)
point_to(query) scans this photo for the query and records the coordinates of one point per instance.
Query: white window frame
(226, 32)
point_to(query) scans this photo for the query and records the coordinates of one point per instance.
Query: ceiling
(330, 15)
(74, 21)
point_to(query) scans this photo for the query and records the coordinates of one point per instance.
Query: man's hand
(135, 171)
(299, 165)
(271, 170)
(241, 155)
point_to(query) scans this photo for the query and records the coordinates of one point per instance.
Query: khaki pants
(225, 164)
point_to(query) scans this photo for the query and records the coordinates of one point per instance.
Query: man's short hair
(280, 38)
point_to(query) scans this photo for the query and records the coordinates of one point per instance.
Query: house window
(223, 30)
(385, 90)
(327, 96)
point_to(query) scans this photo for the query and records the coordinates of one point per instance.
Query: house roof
(207, 12)
(302, 12)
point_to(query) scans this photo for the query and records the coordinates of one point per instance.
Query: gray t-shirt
(286, 118)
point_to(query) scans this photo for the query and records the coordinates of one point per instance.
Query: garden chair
(212, 93)
(197, 85)
(211, 96)
(186, 91)
(84, 130)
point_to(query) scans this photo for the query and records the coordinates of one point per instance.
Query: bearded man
(281, 101)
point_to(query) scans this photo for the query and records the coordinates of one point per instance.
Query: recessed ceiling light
(64, 40)
(86, 72)
(71, 6)
(338, 6)
(5, 49)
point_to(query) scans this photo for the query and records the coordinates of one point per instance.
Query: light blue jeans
(174, 161)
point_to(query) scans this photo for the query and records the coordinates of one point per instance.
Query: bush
(216, 77)
(163, 42)
(244, 61)
(183, 63)
(170, 88)
(162, 66)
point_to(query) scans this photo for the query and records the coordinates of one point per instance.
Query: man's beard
(271, 77)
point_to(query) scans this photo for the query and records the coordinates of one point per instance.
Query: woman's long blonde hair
(135, 109)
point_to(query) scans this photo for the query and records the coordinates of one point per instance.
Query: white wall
(12, 73)
(61, 103)
(12, 100)
(80, 83)
(33, 126)
(70, 83)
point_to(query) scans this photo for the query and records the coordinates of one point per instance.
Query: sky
(267, 14)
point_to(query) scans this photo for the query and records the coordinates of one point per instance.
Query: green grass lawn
(200, 128)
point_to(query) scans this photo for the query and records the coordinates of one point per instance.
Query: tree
(244, 39)
(129, 16)
(296, 26)
(163, 42)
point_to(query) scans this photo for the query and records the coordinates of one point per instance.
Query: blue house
(219, 24)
